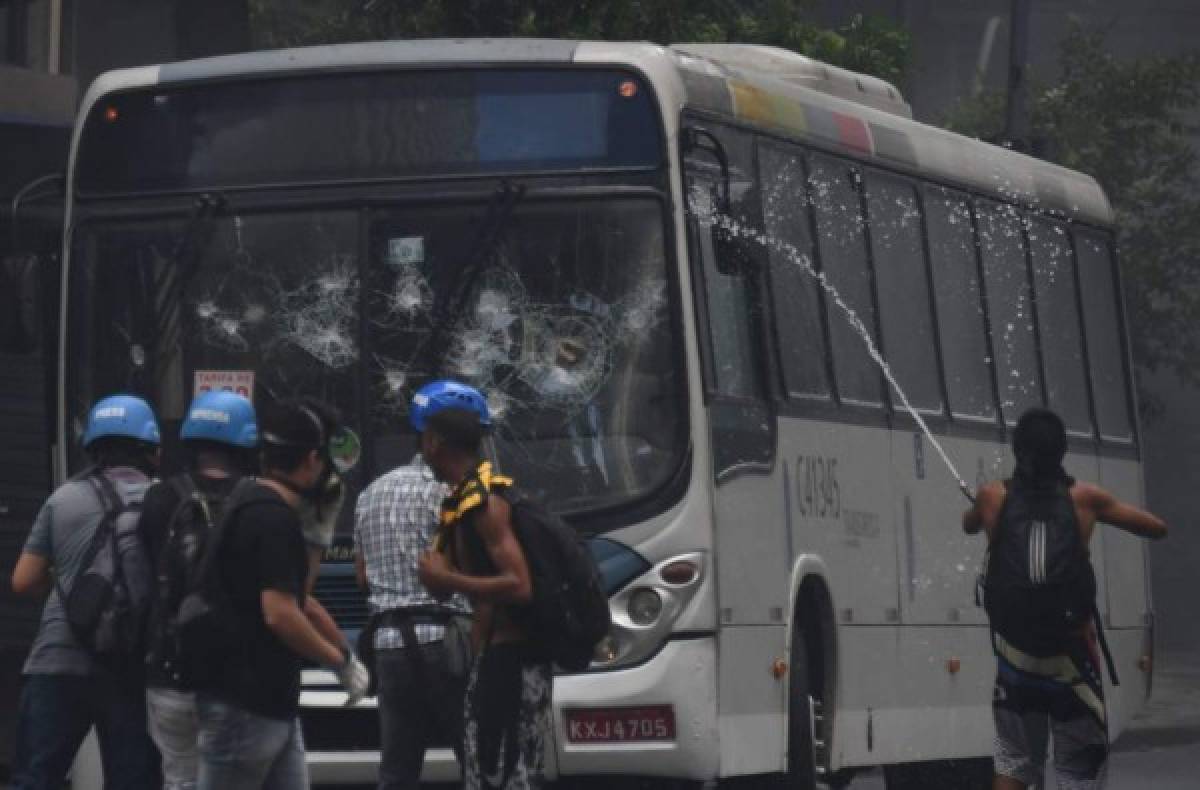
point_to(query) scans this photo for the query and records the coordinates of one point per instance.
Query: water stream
(709, 217)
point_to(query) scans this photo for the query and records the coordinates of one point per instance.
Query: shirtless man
(507, 707)
(1063, 693)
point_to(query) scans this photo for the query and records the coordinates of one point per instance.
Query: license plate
(621, 725)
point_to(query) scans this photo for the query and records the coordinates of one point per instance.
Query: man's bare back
(1092, 504)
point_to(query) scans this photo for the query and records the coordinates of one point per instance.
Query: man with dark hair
(419, 701)
(507, 709)
(66, 691)
(220, 437)
(250, 735)
(1040, 598)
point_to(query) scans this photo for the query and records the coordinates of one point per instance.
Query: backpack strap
(184, 487)
(1104, 648)
(111, 505)
(240, 495)
(110, 500)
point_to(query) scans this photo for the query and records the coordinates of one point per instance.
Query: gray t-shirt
(61, 532)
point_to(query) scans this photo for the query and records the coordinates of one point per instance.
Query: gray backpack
(108, 600)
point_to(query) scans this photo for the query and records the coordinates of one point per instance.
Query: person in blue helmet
(420, 702)
(219, 435)
(66, 692)
(507, 704)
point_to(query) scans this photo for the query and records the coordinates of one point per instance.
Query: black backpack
(186, 533)
(568, 614)
(108, 600)
(1039, 586)
(205, 627)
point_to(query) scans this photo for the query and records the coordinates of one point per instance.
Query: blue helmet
(445, 394)
(127, 416)
(220, 416)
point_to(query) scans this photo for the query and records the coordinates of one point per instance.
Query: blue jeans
(56, 712)
(240, 750)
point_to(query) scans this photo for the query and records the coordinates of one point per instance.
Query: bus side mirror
(42, 200)
(30, 273)
(731, 255)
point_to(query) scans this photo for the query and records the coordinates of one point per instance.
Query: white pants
(174, 728)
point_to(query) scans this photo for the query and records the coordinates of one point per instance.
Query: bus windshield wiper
(483, 248)
(185, 255)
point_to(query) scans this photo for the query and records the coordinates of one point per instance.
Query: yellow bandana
(472, 492)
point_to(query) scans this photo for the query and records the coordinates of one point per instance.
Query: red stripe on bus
(853, 132)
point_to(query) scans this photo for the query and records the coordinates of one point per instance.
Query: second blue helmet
(446, 394)
(224, 417)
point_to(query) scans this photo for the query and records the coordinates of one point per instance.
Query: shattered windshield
(558, 311)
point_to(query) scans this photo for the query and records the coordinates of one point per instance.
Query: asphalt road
(1160, 750)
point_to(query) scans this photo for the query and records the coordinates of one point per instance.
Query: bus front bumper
(342, 742)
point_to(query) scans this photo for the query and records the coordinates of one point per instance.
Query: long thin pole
(1016, 118)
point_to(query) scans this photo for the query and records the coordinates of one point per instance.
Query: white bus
(791, 590)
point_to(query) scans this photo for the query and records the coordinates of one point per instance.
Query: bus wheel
(805, 714)
(972, 774)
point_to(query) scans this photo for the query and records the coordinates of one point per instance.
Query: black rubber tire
(801, 772)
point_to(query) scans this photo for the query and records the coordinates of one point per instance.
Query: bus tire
(966, 774)
(801, 763)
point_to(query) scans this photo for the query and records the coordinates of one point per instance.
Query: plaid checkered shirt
(394, 523)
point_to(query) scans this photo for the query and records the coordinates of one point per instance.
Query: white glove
(353, 676)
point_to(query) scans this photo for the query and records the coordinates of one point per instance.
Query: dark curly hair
(1039, 443)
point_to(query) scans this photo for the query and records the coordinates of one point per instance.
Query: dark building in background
(50, 51)
(953, 50)
(37, 105)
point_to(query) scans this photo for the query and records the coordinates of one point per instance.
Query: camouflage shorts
(502, 747)
(1029, 709)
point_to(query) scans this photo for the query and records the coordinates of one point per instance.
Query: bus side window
(795, 296)
(1102, 322)
(732, 300)
(1058, 319)
(959, 305)
(730, 328)
(842, 244)
(898, 249)
(1010, 308)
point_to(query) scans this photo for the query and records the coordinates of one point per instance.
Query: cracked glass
(559, 314)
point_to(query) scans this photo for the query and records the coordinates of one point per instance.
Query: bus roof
(770, 88)
(868, 118)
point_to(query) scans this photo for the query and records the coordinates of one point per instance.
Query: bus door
(750, 545)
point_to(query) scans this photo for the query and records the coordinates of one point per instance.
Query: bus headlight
(645, 605)
(645, 610)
